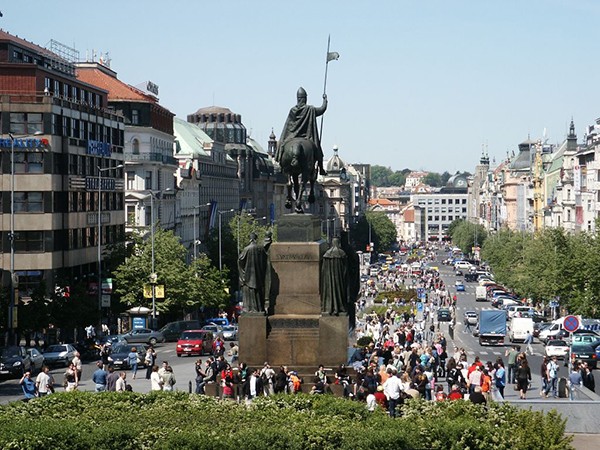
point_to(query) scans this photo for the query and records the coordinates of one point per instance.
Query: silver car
(142, 336)
(37, 359)
(470, 318)
(59, 354)
(230, 332)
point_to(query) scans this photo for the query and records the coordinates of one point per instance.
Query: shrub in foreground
(84, 420)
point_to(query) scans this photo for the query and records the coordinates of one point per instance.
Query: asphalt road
(183, 368)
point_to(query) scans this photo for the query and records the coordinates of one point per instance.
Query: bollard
(190, 386)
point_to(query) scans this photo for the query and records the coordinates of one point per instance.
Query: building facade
(208, 178)
(435, 211)
(67, 145)
(148, 150)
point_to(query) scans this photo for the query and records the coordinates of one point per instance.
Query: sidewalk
(585, 441)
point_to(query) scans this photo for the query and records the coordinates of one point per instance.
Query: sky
(424, 85)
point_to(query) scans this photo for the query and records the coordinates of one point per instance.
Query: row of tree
(544, 266)
(549, 265)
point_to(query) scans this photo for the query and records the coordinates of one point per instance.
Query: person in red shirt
(380, 397)
(455, 393)
(475, 364)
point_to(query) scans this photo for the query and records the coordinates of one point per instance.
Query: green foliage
(186, 286)
(466, 234)
(385, 177)
(383, 231)
(84, 420)
(549, 264)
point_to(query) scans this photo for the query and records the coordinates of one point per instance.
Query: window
(135, 117)
(148, 184)
(135, 147)
(130, 214)
(28, 202)
(130, 180)
(29, 162)
(464, 201)
(29, 241)
(25, 123)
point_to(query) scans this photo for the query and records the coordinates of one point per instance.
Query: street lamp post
(220, 250)
(100, 172)
(14, 282)
(196, 208)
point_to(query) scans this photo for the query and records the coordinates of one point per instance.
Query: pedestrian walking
(528, 341)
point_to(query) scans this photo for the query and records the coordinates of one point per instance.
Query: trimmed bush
(84, 420)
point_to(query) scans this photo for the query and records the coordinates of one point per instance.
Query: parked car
(37, 359)
(470, 277)
(221, 321)
(214, 328)
(230, 333)
(586, 337)
(462, 265)
(195, 342)
(14, 361)
(173, 330)
(119, 356)
(143, 336)
(460, 287)
(585, 353)
(59, 354)
(557, 347)
(470, 318)
(444, 315)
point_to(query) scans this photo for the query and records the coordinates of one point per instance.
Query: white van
(516, 310)
(518, 328)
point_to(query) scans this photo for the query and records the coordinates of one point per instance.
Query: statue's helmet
(301, 93)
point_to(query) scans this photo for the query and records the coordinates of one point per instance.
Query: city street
(183, 368)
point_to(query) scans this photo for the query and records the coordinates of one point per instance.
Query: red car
(195, 342)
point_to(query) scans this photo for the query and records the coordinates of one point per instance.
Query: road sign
(553, 304)
(421, 293)
(571, 324)
(420, 307)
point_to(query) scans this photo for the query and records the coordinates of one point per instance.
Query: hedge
(160, 420)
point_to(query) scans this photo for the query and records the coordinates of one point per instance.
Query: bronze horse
(298, 160)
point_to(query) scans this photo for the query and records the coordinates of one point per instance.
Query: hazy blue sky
(419, 84)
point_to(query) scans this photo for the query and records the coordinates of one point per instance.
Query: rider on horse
(302, 123)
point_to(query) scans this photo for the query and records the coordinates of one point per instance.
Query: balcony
(150, 157)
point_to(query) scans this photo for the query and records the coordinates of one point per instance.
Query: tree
(433, 179)
(466, 234)
(383, 231)
(185, 287)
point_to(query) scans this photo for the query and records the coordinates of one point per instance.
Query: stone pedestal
(252, 336)
(333, 340)
(295, 334)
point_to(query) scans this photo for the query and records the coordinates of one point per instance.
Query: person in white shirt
(392, 388)
(121, 385)
(44, 382)
(156, 382)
